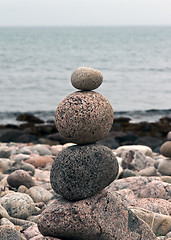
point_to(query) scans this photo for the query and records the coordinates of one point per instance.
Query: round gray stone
(85, 78)
(84, 117)
(169, 136)
(79, 172)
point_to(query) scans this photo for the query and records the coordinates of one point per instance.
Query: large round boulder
(81, 171)
(85, 78)
(84, 117)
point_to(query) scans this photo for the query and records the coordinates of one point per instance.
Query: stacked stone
(84, 117)
(164, 166)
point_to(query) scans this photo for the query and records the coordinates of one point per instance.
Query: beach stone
(81, 171)
(39, 161)
(160, 224)
(20, 157)
(23, 189)
(164, 167)
(10, 233)
(40, 194)
(150, 171)
(5, 152)
(56, 149)
(169, 136)
(84, 117)
(32, 231)
(86, 79)
(41, 149)
(25, 150)
(165, 149)
(20, 177)
(143, 187)
(103, 216)
(28, 117)
(135, 160)
(127, 173)
(166, 179)
(6, 221)
(143, 149)
(18, 205)
(1, 176)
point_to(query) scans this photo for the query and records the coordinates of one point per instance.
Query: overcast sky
(84, 12)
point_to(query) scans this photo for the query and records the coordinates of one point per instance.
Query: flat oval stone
(84, 117)
(165, 149)
(85, 78)
(79, 172)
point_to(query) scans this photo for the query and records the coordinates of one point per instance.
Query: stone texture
(81, 171)
(20, 177)
(40, 194)
(144, 187)
(143, 149)
(18, 205)
(160, 224)
(85, 78)
(165, 149)
(84, 117)
(103, 216)
(10, 233)
(135, 160)
(150, 171)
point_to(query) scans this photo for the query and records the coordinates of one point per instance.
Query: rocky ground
(141, 194)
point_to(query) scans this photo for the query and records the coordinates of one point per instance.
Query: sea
(36, 64)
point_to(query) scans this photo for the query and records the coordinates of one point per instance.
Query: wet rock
(20, 177)
(86, 79)
(18, 205)
(151, 142)
(40, 161)
(143, 149)
(40, 194)
(29, 118)
(81, 171)
(160, 224)
(103, 216)
(10, 233)
(165, 149)
(84, 117)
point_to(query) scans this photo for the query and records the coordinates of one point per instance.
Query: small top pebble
(86, 79)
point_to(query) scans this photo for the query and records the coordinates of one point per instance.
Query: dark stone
(26, 138)
(9, 135)
(81, 171)
(148, 141)
(57, 137)
(127, 139)
(127, 173)
(109, 142)
(28, 117)
(20, 177)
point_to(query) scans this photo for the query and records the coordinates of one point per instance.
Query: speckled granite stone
(165, 149)
(85, 78)
(81, 171)
(104, 216)
(84, 117)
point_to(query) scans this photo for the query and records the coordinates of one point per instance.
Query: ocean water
(36, 64)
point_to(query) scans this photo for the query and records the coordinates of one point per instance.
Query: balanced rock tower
(80, 173)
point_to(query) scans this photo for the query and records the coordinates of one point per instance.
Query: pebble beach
(92, 179)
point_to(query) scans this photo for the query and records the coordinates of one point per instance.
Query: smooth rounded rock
(20, 177)
(165, 149)
(84, 117)
(169, 136)
(164, 167)
(81, 171)
(85, 78)
(40, 194)
(18, 205)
